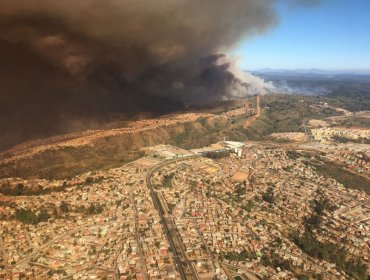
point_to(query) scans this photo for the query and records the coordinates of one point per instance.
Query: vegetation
(21, 189)
(240, 190)
(348, 179)
(284, 113)
(268, 196)
(326, 251)
(340, 139)
(319, 205)
(242, 256)
(64, 207)
(217, 155)
(171, 207)
(351, 101)
(30, 217)
(354, 122)
(249, 205)
(91, 180)
(274, 260)
(289, 112)
(330, 169)
(180, 138)
(331, 253)
(94, 208)
(58, 271)
(260, 128)
(167, 180)
(293, 155)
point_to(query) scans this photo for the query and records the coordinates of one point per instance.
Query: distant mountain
(313, 71)
(317, 82)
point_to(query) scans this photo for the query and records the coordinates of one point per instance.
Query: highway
(158, 206)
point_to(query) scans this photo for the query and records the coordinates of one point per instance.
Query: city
(227, 211)
(184, 140)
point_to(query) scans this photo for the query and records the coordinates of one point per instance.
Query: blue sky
(333, 35)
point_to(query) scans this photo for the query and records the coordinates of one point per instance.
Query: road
(158, 206)
(39, 249)
(250, 274)
(178, 240)
(137, 237)
(2, 253)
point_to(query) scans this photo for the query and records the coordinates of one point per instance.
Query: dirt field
(211, 170)
(240, 176)
(317, 123)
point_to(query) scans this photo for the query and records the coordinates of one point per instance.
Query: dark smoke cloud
(66, 61)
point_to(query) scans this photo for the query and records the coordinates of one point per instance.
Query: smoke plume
(67, 61)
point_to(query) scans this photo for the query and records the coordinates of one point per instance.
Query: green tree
(64, 207)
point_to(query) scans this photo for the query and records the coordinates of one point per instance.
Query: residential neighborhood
(225, 211)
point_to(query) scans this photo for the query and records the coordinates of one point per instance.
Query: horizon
(358, 71)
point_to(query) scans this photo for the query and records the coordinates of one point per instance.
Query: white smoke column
(245, 83)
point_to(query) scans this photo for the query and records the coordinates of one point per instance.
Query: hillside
(62, 157)
(69, 155)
